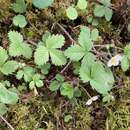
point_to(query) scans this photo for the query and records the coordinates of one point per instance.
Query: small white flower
(94, 98)
(89, 102)
(114, 61)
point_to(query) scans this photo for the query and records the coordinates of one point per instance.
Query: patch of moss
(83, 117)
(119, 116)
(31, 115)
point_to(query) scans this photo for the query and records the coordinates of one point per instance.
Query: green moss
(4, 9)
(30, 115)
(119, 116)
(83, 117)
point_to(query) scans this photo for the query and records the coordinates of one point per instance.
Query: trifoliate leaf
(67, 90)
(19, 20)
(57, 57)
(19, 6)
(71, 13)
(42, 4)
(7, 96)
(75, 52)
(55, 41)
(99, 11)
(82, 4)
(9, 67)
(94, 34)
(41, 56)
(50, 49)
(125, 63)
(17, 46)
(3, 56)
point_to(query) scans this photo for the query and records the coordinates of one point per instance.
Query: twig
(72, 40)
(104, 46)
(7, 123)
(62, 71)
(64, 30)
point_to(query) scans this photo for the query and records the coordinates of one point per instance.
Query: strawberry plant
(64, 64)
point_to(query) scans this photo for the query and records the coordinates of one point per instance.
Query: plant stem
(7, 123)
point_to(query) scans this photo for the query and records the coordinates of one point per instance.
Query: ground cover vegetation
(64, 65)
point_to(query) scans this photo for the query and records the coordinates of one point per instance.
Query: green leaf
(99, 11)
(67, 118)
(67, 90)
(9, 67)
(42, 4)
(3, 109)
(94, 34)
(108, 98)
(54, 86)
(85, 74)
(100, 78)
(77, 92)
(127, 51)
(55, 41)
(45, 36)
(95, 22)
(59, 77)
(125, 63)
(106, 3)
(71, 13)
(82, 4)
(20, 74)
(3, 56)
(19, 20)
(19, 6)
(7, 96)
(128, 28)
(57, 57)
(88, 60)
(39, 83)
(27, 73)
(41, 56)
(45, 68)
(75, 52)
(32, 85)
(17, 46)
(85, 38)
(108, 13)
